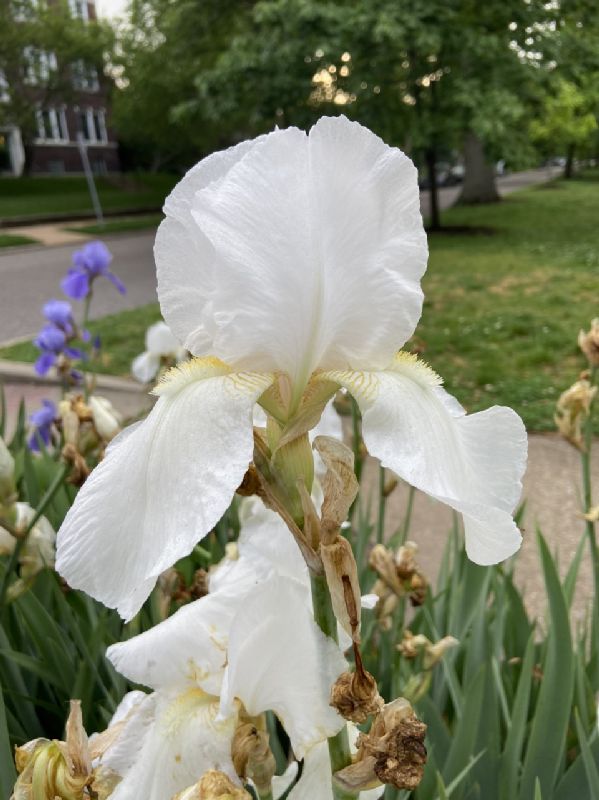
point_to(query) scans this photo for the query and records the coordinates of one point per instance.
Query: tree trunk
(431, 163)
(479, 176)
(28, 152)
(569, 168)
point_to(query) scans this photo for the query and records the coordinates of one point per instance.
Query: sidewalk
(20, 381)
(552, 489)
(48, 235)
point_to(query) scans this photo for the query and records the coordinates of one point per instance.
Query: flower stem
(84, 321)
(585, 458)
(324, 616)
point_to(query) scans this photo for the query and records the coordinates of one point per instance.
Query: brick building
(85, 113)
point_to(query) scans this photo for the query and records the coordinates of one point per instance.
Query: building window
(4, 96)
(39, 65)
(52, 125)
(24, 10)
(79, 9)
(92, 124)
(85, 77)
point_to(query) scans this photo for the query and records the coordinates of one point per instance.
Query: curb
(42, 219)
(22, 373)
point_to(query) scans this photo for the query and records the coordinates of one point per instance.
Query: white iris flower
(251, 640)
(160, 343)
(288, 265)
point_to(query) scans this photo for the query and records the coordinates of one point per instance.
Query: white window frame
(40, 64)
(85, 77)
(79, 9)
(4, 95)
(90, 122)
(58, 125)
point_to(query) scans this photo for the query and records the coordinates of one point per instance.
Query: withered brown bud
(53, 769)
(402, 760)
(199, 584)
(342, 578)
(339, 485)
(418, 586)
(382, 561)
(405, 560)
(214, 785)
(391, 752)
(80, 470)
(588, 341)
(252, 756)
(250, 484)
(355, 695)
(573, 409)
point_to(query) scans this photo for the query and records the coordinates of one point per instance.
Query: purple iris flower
(42, 421)
(60, 313)
(88, 263)
(52, 341)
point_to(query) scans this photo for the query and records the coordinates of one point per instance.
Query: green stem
(84, 322)
(356, 439)
(380, 528)
(43, 504)
(324, 616)
(585, 458)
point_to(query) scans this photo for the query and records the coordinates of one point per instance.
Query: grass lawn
(11, 240)
(502, 310)
(120, 225)
(21, 197)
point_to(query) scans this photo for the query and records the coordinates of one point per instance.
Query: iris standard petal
(474, 463)
(180, 250)
(162, 487)
(279, 261)
(293, 663)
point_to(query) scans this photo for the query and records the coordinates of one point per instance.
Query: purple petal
(50, 338)
(44, 415)
(73, 352)
(116, 282)
(44, 363)
(75, 284)
(94, 257)
(85, 335)
(59, 312)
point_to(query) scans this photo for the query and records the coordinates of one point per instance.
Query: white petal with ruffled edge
(186, 650)
(161, 488)
(474, 463)
(182, 253)
(135, 714)
(279, 262)
(181, 742)
(293, 664)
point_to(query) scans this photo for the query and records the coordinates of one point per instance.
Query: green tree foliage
(38, 47)
(569, 119)
(159, 54)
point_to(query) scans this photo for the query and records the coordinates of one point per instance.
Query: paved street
(31, 275)
(506, 185)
